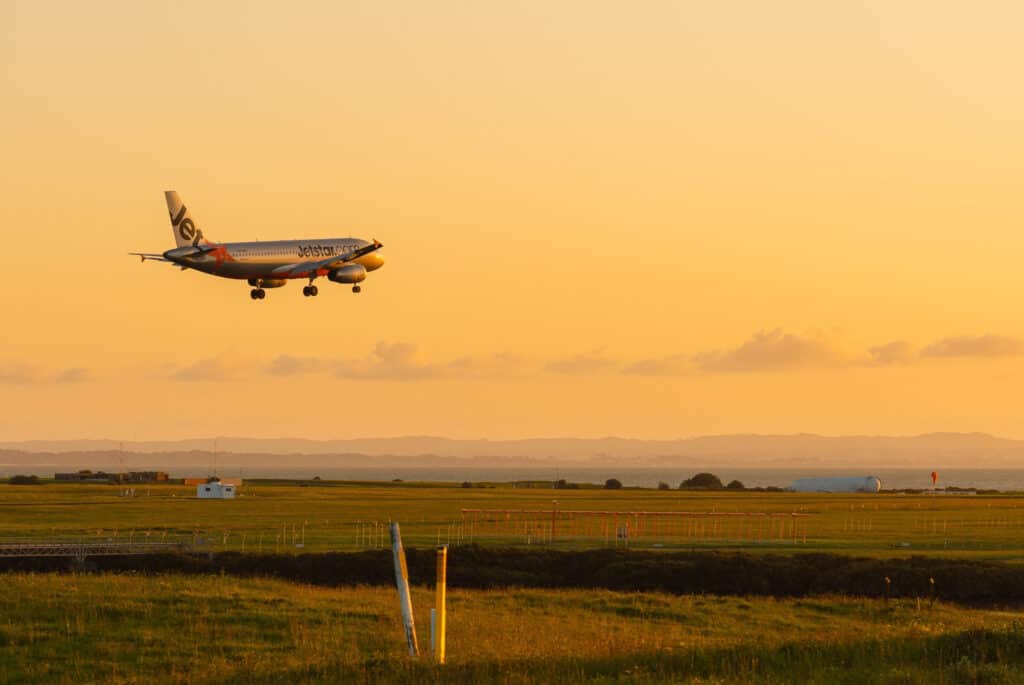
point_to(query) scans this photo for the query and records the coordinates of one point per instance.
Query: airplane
(267, 264)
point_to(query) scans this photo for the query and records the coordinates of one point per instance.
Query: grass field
(346, 516)
(123, 628)
(131, 629)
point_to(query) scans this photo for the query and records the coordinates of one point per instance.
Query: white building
(215, 490)
(854, 484)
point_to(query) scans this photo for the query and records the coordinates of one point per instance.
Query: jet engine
(350, 273)
(267, 282)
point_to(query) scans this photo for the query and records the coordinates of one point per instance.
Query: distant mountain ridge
(931, 449)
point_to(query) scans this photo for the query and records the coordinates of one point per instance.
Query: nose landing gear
(356, 289)
(309, 291)
(257, 293)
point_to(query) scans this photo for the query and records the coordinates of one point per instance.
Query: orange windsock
(935, 478)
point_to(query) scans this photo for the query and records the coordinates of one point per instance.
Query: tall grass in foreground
(174, 629)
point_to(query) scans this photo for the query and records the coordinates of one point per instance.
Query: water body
(982, 479)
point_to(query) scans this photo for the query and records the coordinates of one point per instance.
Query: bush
(613, 484)
(735, 485)
(702, 481)
(986, 583)
(662, 485)
(24, 480)
(466, 484)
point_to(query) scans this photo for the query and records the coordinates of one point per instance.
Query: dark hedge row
(975, 582)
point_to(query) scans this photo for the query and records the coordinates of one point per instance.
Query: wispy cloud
(673, 365)
(204, 370)
(895, 352)
(975, 346)
(768, 350)
(763, 351)
(74, 374)
(581, 364)
(289, 365)
(389, 361)
(16, 372)
(398, 362)
(19, 373)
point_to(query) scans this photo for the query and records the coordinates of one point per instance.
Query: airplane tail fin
(182, 222)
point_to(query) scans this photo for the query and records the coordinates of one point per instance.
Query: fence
(81, 550)
(614, 528)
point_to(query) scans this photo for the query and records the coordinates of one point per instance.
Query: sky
(651, 220)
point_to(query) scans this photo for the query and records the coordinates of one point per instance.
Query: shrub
(703, 481)
(24, 480)
(735, 485)
(662, 485)
(613, 484)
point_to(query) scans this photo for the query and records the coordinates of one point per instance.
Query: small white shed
(215, 490)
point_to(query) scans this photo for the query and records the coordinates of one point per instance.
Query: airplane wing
(329, 263)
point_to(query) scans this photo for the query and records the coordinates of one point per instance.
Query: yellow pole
(439, 600)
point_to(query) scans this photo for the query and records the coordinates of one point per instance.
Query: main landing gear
(356, 289)
(257, 293)
(309, 291)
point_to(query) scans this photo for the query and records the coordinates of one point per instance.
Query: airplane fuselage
(273, 259)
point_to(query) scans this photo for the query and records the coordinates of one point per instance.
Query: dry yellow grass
(131, 629)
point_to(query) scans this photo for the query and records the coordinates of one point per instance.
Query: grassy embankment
(347, 516)
(131, 629)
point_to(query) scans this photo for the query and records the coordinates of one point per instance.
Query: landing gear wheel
(260, 293)
(305, 291)
(254, 294)
(313, 291)
(356, 289)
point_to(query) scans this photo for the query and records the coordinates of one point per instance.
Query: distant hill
(933, 450)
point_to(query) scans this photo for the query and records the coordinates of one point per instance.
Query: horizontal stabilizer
(150, 256)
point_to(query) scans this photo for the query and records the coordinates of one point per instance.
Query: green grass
(350, 516)
(171, 629)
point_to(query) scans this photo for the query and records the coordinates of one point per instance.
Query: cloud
(398, 362)
(674, 365)
(895, 352)
(768, 350)
(209, 369)
(763, 351)
(502, 365)
(74, 374)
(581, 364)
(287, 365)
(975, 346)
(16, 372)
(388, 361)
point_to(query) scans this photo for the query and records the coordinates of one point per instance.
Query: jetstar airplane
(267, 264)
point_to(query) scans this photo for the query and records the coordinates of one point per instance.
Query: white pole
(402, 582)
(433, 630)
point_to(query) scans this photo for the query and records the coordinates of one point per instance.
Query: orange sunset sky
(651, 219)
